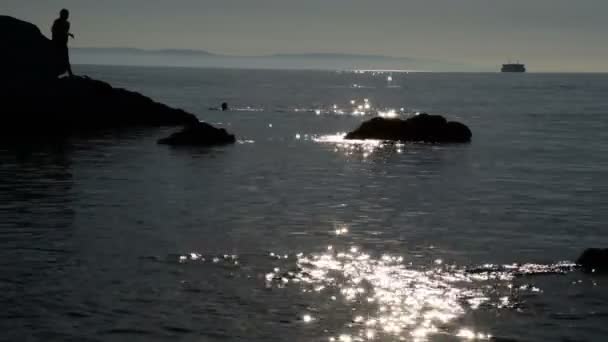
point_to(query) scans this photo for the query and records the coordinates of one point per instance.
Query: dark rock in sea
(199, 134)
(33, 101)
(420, 128)
(594, 260)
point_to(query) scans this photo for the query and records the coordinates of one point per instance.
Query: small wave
(126, 331)
(179, 330)
(196, 258)
(360, 86)
(247, 109)
(239, 109)
(519, 270)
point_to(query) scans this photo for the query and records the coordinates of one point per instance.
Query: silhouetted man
(61, 32)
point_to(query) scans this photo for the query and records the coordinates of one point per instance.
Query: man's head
(64, 14)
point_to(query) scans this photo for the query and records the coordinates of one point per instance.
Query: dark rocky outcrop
(33, 101)
(78, 103)
(419, 128)
(27, 55)
(594, 260)
(199, 134)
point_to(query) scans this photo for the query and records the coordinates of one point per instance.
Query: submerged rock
(199, 134)
(594, 260)
(421, 128)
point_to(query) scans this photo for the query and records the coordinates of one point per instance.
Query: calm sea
(294, 235)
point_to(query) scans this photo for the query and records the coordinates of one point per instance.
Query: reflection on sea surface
(363, 147)
(355, 107)
(389, 298)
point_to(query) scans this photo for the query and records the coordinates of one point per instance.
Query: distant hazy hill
(341, 56)
(135, 51)
(200, 58)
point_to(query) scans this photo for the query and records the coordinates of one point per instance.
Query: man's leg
(66, 59)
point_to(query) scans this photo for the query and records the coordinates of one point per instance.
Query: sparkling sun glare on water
(390, 300)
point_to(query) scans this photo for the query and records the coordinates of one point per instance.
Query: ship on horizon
(513, 67)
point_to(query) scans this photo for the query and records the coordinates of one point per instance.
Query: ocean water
(293, 234)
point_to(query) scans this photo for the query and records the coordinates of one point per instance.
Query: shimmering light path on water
(391, 299)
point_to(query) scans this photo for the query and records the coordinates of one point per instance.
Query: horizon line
(336, 70)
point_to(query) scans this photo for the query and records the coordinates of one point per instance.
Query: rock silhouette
(76, 103)
(419, 128)
(198, 134)
(594, 260)
(27, 55)
(34, 101)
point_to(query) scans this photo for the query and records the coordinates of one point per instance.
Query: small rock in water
(200, 134)
(420, 128)
(594, 260)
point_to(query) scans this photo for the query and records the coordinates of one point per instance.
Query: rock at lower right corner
(594, 260)
(420, 128)
(199, 134)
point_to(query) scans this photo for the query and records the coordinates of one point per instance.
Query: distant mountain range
(201, 58)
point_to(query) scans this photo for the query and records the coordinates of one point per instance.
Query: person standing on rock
(61, 33)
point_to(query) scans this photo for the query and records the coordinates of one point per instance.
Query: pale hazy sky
(566, 35)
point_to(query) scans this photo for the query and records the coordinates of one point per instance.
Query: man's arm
(69, 33)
